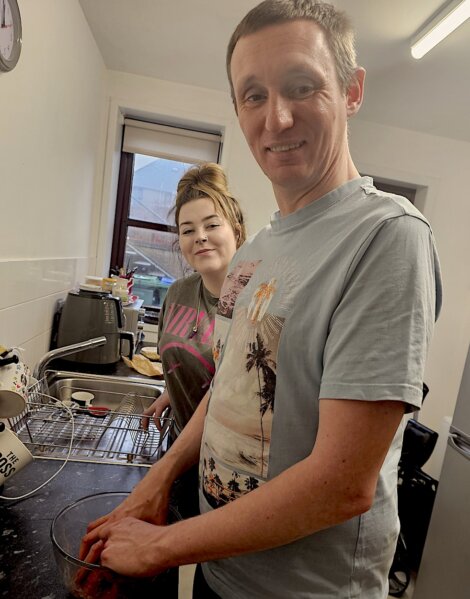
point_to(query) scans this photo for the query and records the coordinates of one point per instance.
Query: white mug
(14, 455)
(13, 389)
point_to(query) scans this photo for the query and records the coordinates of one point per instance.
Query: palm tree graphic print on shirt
(261, 300)
(258, 357)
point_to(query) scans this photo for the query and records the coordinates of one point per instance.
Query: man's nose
(279, 114)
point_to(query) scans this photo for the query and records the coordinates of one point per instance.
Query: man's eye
(254, 98)
(302, 90)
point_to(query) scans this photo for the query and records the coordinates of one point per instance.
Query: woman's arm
(156, 410)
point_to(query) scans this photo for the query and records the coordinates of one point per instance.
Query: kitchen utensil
(10, 360)
(13, 454)
(98, 411)
(129, 417)
(134, 313)
(83, 398)
(88, 314)
(130, 412)
(13, 387)
(92, 581)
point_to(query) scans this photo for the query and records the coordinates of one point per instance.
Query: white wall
(441, 166)
(51, 162)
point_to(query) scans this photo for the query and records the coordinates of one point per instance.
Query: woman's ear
(238, 235)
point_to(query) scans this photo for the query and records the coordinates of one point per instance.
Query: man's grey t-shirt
(337, 300)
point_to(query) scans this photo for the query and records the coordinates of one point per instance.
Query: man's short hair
(336, 24)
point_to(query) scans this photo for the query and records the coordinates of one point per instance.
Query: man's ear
(355, 93)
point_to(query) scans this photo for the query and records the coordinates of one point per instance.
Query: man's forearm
(274, 514)
(335, 483)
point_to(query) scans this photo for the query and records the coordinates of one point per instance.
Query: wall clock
(10, 34)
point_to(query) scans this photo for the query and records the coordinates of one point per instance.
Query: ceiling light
(440, 27)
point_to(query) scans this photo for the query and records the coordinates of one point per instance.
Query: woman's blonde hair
(209, 181)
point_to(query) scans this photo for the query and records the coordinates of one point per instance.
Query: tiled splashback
(30, 290)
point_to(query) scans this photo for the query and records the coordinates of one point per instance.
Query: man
(324, 322)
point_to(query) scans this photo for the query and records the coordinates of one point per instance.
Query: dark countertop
(27, 566)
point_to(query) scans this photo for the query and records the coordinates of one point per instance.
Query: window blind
(173, 143)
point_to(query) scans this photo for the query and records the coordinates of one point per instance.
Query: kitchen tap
(61, 352)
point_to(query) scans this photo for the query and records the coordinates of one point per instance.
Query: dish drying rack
(50, 431)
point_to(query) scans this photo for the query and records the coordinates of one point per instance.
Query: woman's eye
(213, 225)
(186, 232)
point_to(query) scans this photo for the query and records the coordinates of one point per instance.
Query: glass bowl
(92, 581)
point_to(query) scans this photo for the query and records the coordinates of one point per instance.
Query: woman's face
(206, 238)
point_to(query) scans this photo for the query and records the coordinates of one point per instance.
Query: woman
(210, 229)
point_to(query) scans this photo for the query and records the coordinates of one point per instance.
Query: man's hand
(131, 548)
(150, 498)
(142, 503)
(95, 583)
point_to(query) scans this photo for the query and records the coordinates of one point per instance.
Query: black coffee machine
(88, 314)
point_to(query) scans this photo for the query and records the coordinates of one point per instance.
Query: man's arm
(149, 499)
(336, 482)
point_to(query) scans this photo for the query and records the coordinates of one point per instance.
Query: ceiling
(185, 40)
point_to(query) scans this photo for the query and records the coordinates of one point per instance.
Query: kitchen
(61, 121)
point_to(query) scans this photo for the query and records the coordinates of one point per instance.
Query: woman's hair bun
(209, 180)
(208, 174)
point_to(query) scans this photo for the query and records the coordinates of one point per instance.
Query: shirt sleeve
(160, 322)
(381, 329)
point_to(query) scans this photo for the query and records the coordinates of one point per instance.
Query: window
(153, 159)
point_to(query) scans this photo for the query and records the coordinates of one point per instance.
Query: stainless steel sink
(108, 430)
(108, 391)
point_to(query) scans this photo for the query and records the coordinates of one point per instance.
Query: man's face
(290, 105)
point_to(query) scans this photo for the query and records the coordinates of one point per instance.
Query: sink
(108, 391)
(109, 430)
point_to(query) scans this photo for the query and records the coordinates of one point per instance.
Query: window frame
(121, 220)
